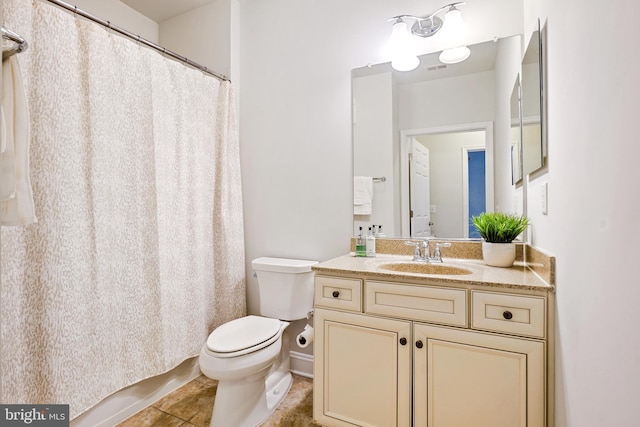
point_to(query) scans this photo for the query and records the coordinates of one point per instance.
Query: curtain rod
(76, 11)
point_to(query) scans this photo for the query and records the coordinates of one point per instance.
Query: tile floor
(191, 406)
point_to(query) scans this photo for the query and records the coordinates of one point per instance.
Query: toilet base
(250, 401)
(256, 406)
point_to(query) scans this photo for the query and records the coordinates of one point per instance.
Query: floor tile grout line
(170, 414)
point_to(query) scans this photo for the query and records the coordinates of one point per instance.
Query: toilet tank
(285, 287)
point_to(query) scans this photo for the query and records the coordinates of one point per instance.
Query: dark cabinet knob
(507, 315)
(419, 344)
(336, 294)
(403, 341)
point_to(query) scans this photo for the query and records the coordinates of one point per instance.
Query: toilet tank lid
(282, 265)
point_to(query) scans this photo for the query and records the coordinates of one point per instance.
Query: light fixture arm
(433, 22)
(448, 7)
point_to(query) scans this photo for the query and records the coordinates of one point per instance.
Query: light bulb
(454, 55)
(401, 45)
(455, 34)
(454, 24)
(406, 63)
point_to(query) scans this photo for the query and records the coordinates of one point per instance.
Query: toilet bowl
(244, 395)
(249, 356)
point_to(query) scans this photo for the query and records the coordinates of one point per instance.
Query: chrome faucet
(422, 253)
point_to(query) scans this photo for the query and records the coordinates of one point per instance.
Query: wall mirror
(436, 141)
(532, 101)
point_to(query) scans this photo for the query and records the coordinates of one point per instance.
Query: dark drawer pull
(507, 315)
(419, 344)
(403, 341)
(336, 294)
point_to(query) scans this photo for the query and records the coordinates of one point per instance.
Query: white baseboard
(301, 364)
(131, 400)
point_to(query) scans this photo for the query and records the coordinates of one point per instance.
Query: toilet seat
(243, 335)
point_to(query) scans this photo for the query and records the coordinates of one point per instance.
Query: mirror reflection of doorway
(419, 190)
(455, 180)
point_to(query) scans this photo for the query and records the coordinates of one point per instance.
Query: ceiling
(161, 10)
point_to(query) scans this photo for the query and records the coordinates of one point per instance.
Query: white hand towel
(362, 195)
(16, 206)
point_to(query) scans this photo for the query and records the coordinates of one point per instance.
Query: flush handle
(419, 344)
(403, 341)
(507, 315)
(336, 294)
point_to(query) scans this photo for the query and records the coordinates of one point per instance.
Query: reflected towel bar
(381, 179)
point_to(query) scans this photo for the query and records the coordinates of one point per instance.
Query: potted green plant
(499, 229)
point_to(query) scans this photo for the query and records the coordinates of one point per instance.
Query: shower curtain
(138, 251)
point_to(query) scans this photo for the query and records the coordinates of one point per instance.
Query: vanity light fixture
(401, 40)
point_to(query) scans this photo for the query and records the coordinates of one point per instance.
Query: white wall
(122, 16)
(202, 35)
(593, 92)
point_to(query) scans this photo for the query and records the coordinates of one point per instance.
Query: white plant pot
(499, 254)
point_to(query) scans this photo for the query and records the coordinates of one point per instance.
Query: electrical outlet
(544, 195)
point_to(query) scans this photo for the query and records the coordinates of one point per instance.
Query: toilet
(250, 356)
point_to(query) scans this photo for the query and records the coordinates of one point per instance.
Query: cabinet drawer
(340, 293)
(511, 314)
(424, 303)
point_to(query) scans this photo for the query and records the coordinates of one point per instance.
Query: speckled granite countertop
(516, 277)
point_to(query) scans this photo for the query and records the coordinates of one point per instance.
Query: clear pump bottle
(370, 244)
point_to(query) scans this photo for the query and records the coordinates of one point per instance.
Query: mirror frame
(536, 41)
(516, 122)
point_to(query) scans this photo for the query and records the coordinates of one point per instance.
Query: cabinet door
(465, 378)
(362, 370)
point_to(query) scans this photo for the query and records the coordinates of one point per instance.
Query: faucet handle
(436, 255)
(416, 250)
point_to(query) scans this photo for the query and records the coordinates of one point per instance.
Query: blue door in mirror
(477, 188)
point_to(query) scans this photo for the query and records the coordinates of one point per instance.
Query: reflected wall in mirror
(461, 114)
(532, 95)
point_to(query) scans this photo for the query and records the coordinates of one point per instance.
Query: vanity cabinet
(416, 354)
(362, 370)
(466, 378)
